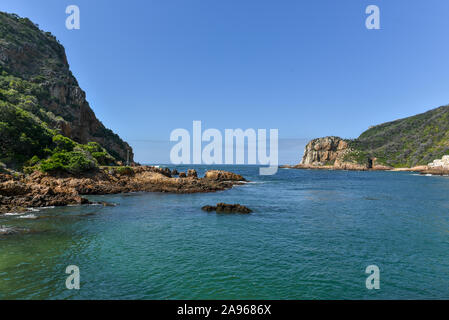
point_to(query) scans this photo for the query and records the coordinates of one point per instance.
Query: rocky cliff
(337, 153)
(324, 151)
(38, 63)
(409, 142)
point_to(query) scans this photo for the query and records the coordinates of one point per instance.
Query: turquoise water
(311, 236)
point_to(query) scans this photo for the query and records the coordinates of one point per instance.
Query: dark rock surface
(227, 208)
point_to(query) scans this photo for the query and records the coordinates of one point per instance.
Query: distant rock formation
(442, 163)
(324, 151)
(438, 166)
(335, 153)
(410, 142)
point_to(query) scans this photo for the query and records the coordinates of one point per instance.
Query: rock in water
(219, 175)
(227, 208)
(182, 175)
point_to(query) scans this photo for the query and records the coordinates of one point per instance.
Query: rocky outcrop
(437, 167)
(36, 56)
(218, 175)
(191, 173)
(227, 208)
(334, 153)
(43, 190)
(442, 163)
(324, 151)
(17, 195)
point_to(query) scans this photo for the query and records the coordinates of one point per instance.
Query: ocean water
(311, 236)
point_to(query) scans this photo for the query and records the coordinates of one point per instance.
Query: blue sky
(308, 68)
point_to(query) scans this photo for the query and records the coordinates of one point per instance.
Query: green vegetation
(99, 153)
(69, 156)
(77, 161)
(26, 137)
(356, 156)
(72, 157)
(43, 113)
(407, 142)
(125, 171)
(22, 134)
(30, 132)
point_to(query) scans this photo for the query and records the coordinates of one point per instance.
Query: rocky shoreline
(19, 191)
(355, 167)
(424, 170)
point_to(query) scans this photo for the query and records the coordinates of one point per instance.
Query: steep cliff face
(324, 151)
(39, 59)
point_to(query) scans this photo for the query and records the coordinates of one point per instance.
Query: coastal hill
(53, 149)
(40, 98)
(408, 142)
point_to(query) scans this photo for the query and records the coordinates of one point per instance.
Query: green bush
(103, 158)
(63, 143)
(33, 161)
(57, 162)
(92, 147)
(22, 135)
(80, 161)
(76, 161)
(99, 153)
(125, 171)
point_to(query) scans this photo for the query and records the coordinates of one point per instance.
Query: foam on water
(28, 216)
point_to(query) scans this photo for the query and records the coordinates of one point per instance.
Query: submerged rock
(106, 204)
(227, 208)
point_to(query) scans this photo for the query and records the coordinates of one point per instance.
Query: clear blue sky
(309, 68)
